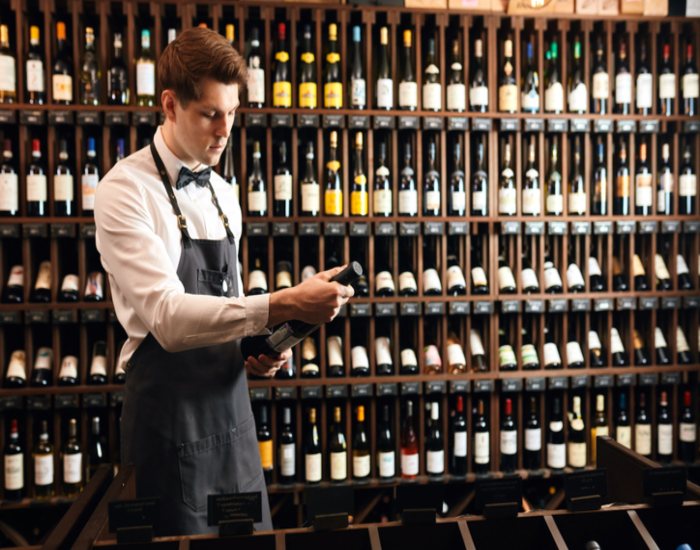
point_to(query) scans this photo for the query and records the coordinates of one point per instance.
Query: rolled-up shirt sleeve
(142, 273)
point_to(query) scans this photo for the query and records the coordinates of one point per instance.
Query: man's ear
(168, 101)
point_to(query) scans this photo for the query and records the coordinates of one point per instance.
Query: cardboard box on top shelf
(608, 7)
(632, 7)
(471, 5)
(588, 7)
(656, 7)
(535, 7)
(433, 4)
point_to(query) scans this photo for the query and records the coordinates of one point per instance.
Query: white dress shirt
(140, 245)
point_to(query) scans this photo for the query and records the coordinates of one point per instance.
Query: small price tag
(384, 122)
(358, 122)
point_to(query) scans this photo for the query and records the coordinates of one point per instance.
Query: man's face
(202, 128)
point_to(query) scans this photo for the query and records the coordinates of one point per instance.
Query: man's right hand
(315, 301)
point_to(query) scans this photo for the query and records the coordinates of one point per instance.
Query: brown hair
(196, 54)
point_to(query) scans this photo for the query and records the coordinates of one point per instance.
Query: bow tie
(186, 176)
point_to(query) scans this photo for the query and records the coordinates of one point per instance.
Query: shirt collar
(170, 161)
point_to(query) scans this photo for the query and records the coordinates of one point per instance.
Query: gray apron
(187, 424)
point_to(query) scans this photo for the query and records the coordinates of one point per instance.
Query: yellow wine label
(359, 203)
(308, 57)
(333, 165)
(265, 454)
(282, 94)
(307, 95)
(334, 202)
(333, 57)
(282, 57)
(333, 95)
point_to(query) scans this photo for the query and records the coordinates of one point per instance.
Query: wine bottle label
(312, 467)
(359, 202)
(256, 84)
(98, 365)
(407, 281)
(257, 201)
(475, 345)
(62, 86)
(551, 277)
(659, 339)
(623, 435)
(409, 464)
(577, 454)
(644, 86)
(408, 95)
(145, 78)
(73, 468)
(385, 93)
(508, 98)
(431, 281)
(94, 285)
(358, 92)
(642, 439)
(265, 448)
(89, 186)
(643, 190)
(681, 266)
(282, 94)
(361, 466)
(307, 95)
(481, 447)
(35, 75)
(530, 100)
(310, 197)
(455, 355)
(408, 358)
(479, 201)
(577, 203)
(456, 97)
(408, 202)
(616, 342)
(16, 277)
(594, 266)
(533, 439)
(382, 202)
(257, 280)
(556, 455)
(459, 449)
(69, 367)
(660, 268)
(455, 277)
(506, 355)
(687, 432)
(333, 201)
(287, 458)
(505, 277)
(310, 369)
(43, 469)
(600, 430)
(574, 353)
(283, 279)
(687, 185)
(339, 465)
(119, 369)
(479, 96)
(334, 345)
(637, 267)
(601, 85)
(308, 272)
(667, 87)
(593, 340)
(623, 88)
(43, 279)
(44, 358)
(528, 354)
(690, 83)
(387, 464)
(14, 472)
(432, 96)
(531, 201)
(432, 200)
(9, 193)
(554, 98)
(665, 439)
(551, 354)
(578, 98)
(458, 200)
(507, 201)
(435, 462)
(382, 350)
(431, 356)
(555, 204)
(63, 188)
(36, 188)
(509, 442)
(283, 187)
(573, 276)
(479, 277)
(17, 367)
(360, 359)
(333, 95)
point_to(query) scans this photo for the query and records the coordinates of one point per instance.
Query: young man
(168, 231)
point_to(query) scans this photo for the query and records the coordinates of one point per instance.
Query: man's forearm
(281, 307)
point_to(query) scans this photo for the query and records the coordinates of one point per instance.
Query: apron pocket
(218, 464)
(214, 283)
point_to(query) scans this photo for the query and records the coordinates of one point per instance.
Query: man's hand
(266, 366)
(315, 301)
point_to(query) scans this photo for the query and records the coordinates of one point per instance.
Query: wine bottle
(359, 361)
(642, 427)
(687, 184)
(576, 448)
(257, 280)
(42, 286)
(43, 459)
(146, 73)
(458, 463)
(409, 445)
(690, 83)
(61, 73)
(9, 184)
(72, 458)
(361, 462)
(574, 353)
(69, 288)
(89, 178)
(621, 201)
(556, 447)
(478, 86)
(619, 277)
(480, 182)
(308, 92)
(359, 195)
(595, 348)
(434, 446)
(663, 277)
(623, 82)
(554, 90)
(313, 458)
(456, 361)
(68, 374)
(595, 274)
(310, 189)
(508, 438)
(578, 93)
(641, 356)
(508, 87)
(684, 281)
(532, 196)
(599, 426)
(282, 183)
(478, 355)
(506, 356)
(42, 373)
(255, 86)
(120, 153)
(552, 358)
(482, 440)
(90, 72)
(432, 89)
(229, 172)
(8, 83)
(283, 275)
(358, 87)
(98, 365)
(333, 194)
(530, 95)
(36, 89)
(458, 196)
(432, 359)
(577, 188)
(431, 182)
(97, 448)
(528, 351)
(385, 84)
(13, 462)
(456, 90)
(264, 437)
(334, 352)
(408, 88)
(532, 455)
(309, 358)
(643, 185)
(408, 193)
(333, 85)
(619, 356)
(664, 430)
(386, 454)
(683, 356)
(687, 431)
(666, 184)
(16, 375)
(574, 277)
(601, 80)
(94, 287)
(554, 204)
(281, 70)
(506, 280)
(37, 188)
(480, 282)
(118, 92)
(382, 352)
(507, 194)
(639, 274)
(257, 190)
(623, 430)
(287, 449)
(667, 82)
(644, 96)
(382, 200)
(456, 283)
(63, 186)
(553, 283)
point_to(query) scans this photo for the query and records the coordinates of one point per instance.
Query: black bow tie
(186, 176)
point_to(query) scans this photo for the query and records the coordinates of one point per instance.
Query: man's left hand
(265, 365)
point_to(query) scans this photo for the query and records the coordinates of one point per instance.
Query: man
(168, 233)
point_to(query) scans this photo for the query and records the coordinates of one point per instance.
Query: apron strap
(224, 217)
